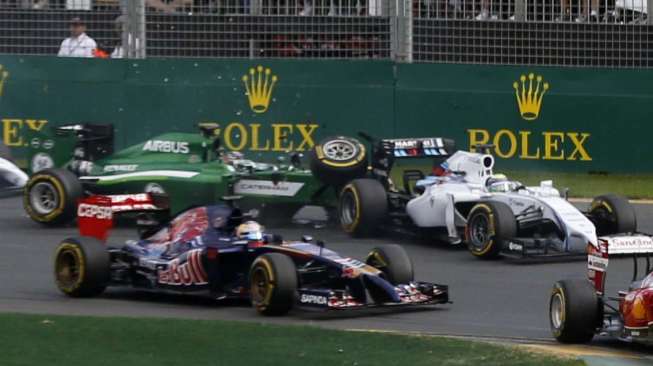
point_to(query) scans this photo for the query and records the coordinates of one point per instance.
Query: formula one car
(464, 201)
(219, 252)
(579, 309)
(186, 169)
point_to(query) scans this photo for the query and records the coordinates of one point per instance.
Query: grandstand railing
(610, 33)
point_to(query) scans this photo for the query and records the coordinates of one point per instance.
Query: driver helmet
(498, 183)
(249, 230)
(232, 156)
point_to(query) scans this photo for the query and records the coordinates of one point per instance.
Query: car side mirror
(296, 160)
(307, 238)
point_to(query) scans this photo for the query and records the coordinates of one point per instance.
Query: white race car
(464, 201)
(11, 177)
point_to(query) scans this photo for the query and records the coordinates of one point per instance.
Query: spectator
(34, 4)
(485, 11)
(307, 9)
(172, 6)
(78, 44)
(78, 4)
(583, 16)
(592, 15)
(565, 12)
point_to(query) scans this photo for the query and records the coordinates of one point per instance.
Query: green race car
(179, 169)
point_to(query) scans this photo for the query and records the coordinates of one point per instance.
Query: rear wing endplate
(95, 214)
(627, 244)
(637, 245)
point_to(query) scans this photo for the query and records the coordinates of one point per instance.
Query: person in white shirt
(78, 44)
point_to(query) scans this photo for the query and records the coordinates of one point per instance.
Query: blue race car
(219, 251)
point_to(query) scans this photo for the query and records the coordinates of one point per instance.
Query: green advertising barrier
(264, 108)
(562, 119)
(558, 119)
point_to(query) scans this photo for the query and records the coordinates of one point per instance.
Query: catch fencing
(586, 33)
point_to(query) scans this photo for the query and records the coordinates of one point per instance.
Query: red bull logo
(188, 273)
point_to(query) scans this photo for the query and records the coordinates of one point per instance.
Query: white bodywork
(467, 182)
(11, 174)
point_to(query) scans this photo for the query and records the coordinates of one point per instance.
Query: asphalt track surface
(497, 299)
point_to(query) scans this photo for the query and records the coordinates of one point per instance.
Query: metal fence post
(133, 35)
(139, 34)
(520, 10)
(401, 31)
(255, 7)
(393, 15)
(649, 6)
(126, 26)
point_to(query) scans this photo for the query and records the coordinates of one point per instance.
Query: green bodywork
(185, 167)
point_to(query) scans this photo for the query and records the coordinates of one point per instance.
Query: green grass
(88, 341)
(634, 186)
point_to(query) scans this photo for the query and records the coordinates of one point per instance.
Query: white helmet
(249, 230)
(498, 183)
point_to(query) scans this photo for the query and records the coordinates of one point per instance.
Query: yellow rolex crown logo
(529, 92)
(4, 75)
(259, 84)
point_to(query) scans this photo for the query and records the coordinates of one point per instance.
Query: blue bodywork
(198, 251)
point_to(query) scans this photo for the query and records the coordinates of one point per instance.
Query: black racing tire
(362, 207)
(612, 214)
(394, 262)
(273, 284)
(81, 267)
(50, 196)
(574, 311)
(336, 160)
(490, 225)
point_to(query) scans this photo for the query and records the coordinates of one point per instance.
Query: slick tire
(612, 214)
(273, 284)
(574, 311)
(50, 196)
(394, 262)
(362, 207)
(338, 159)
(490, 225)
(81, 267)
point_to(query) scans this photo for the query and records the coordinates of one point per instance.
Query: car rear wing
(628, 244)
(423, 147)
(638, 245)
(95, 214)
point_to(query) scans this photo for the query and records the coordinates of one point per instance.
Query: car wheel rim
(339, 150)
(479, 228)
(557, 311)
(348, 209)
(260, 284)
(44, 198)
(67, 269)
(376, 260)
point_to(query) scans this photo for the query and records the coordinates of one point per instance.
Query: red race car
(579, 309)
